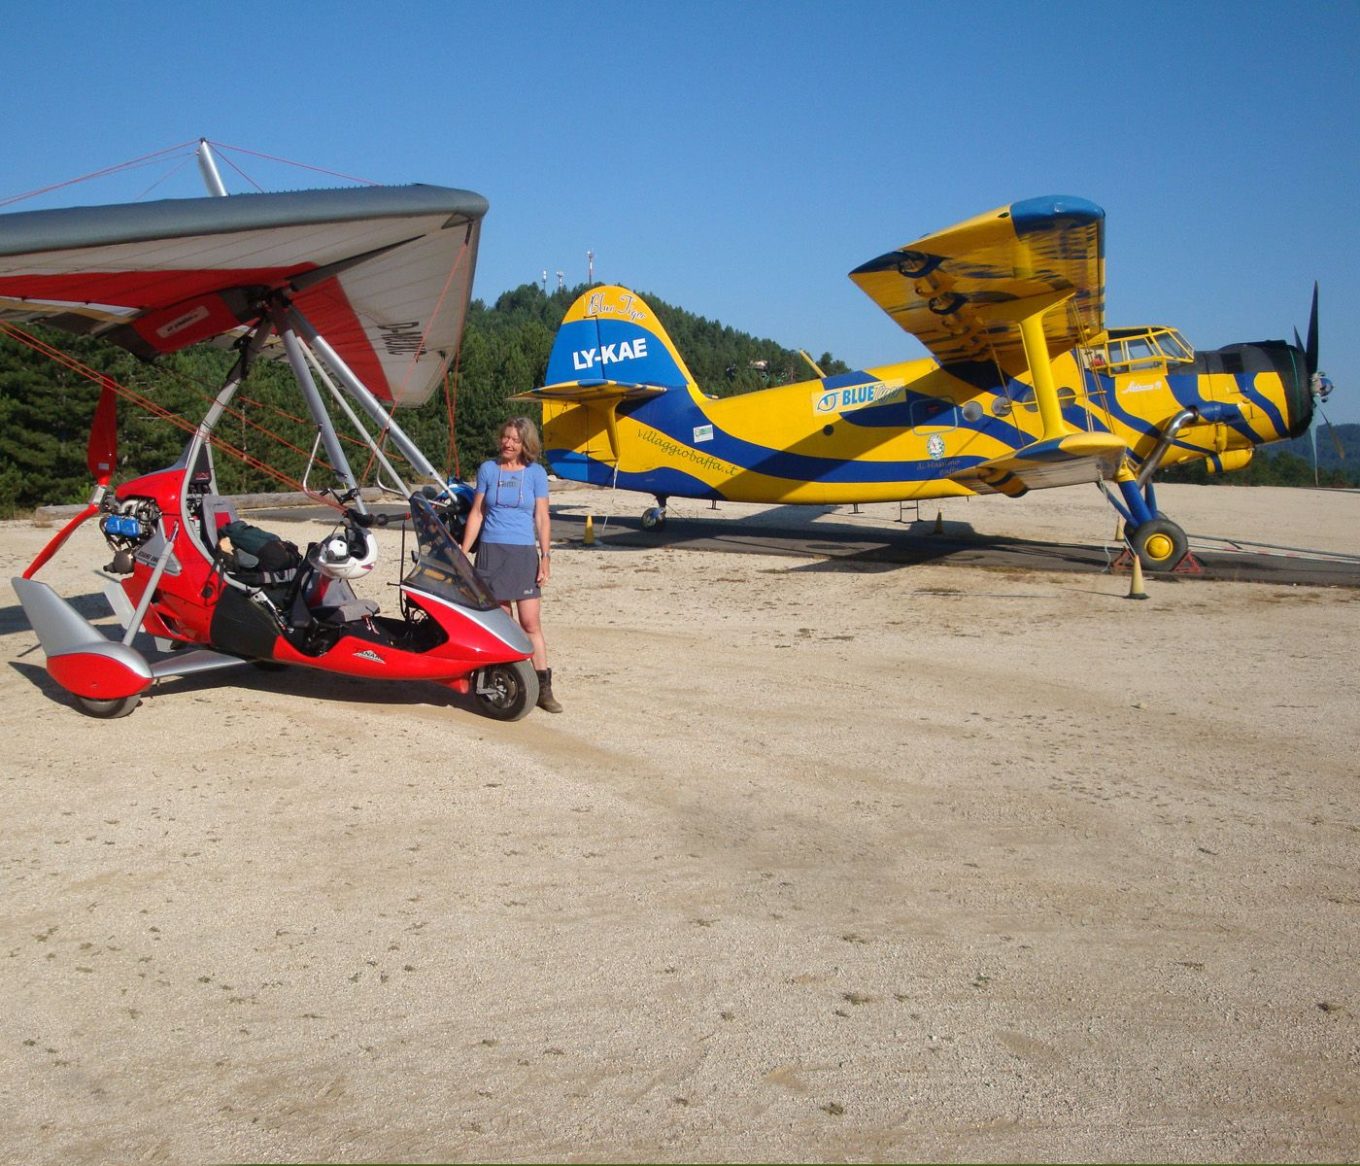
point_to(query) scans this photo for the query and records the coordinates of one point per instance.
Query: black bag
(260, 551)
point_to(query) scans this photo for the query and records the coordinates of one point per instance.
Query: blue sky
(739, 159)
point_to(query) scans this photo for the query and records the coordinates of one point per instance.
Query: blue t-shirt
(508, 513)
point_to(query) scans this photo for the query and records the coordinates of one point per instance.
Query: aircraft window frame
(1173, 346)
(1143, 353)
(1133, 351)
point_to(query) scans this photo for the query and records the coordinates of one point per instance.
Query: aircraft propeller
(1319, 381)
(1320, 384)
(101, 455)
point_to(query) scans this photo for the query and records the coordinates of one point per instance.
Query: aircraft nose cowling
(1292, 365)
(1288, 362)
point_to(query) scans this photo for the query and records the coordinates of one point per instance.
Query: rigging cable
(72, 364)
(144, 160)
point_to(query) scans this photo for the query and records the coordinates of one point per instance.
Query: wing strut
(1041, 368)
(283, 325)
(360, 395)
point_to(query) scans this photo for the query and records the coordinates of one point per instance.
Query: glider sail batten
(189, 269)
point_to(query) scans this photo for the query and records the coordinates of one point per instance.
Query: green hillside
(45, 409)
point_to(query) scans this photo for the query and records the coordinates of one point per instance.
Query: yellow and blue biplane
(1027, 390)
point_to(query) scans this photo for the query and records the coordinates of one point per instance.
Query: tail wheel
(654, 518)
(1159, 544)
(108, 709)
(506, 692)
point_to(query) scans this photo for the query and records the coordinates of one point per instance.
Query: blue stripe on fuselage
(677, 416)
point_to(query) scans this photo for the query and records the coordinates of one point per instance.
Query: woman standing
(514, 557)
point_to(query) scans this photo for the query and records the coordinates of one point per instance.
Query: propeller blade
(54, 545)
(1336, 437)
(101, 455)
(1311, 352)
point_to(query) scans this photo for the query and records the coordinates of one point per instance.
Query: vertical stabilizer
(610, 334)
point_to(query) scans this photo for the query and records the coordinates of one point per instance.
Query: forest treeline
(46, 408)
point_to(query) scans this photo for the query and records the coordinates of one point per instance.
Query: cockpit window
(1142, 353)
(1173, 346)
(1132, 349)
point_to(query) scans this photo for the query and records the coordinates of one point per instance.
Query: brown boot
(546, 701)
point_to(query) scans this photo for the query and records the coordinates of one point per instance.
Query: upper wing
(384, 273)
(962, 291)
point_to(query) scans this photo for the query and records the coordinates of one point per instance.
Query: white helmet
(347, 556)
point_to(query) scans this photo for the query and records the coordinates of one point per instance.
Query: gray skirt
(510, 570)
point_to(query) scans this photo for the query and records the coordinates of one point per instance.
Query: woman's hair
(528, 435)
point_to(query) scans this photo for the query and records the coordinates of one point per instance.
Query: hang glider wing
(384, 273)
(963, 291)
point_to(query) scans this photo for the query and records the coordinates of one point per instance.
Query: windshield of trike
(441, 569)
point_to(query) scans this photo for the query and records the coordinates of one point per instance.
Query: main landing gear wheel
(506, 692)
(654, 518)
(108, 709)
(1159, 544)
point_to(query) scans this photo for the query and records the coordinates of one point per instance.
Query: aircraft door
(936, 419)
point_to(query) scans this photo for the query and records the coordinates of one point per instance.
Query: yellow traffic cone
(1136, 582)
(590, 530)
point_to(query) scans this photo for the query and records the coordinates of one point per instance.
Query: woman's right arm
(474, 522)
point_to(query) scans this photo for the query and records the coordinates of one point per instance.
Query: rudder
(610, 334)
(610, 348)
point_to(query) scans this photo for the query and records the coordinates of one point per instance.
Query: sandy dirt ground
(823, 861)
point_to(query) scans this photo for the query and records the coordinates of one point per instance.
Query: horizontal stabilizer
(579, 392)
(1060, 461)
(194, 663)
